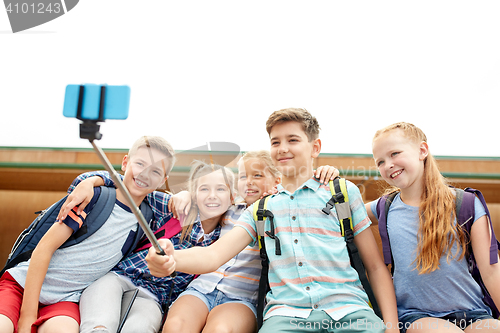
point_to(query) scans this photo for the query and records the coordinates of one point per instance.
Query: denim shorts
(461, 319)
(215, 298)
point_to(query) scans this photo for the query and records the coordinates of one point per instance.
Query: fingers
(171, 208)
(181, 203)
(325, 173)
(161, 266)
(188, 207)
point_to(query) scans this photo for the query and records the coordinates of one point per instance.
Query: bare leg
(488, 325)
(6, 325)
(59, 324)
(187, 315)
(432, 325)
(231, 318)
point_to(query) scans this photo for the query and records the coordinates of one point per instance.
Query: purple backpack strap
(383, 205)
(466, 215)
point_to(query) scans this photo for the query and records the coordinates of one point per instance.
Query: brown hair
(437, 231)
(308, 122)
(200, 169)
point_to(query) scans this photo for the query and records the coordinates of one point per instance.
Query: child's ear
(424, 150)
(124, 162)
(316, 148)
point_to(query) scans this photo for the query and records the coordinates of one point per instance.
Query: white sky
(214, 70)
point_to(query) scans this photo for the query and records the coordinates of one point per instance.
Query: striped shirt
(313, 271)
(239, 277)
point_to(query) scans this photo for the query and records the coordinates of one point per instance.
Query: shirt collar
(311, 183)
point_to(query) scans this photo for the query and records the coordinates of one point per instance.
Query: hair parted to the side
(264, 156)
(437, 231)
(200, 169)
(158, 143)
(308, 122)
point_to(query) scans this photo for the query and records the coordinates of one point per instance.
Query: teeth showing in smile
(397, 173)
(213, 205)
(141, 184)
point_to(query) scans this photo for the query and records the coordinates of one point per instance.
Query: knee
(100, 329)
(174, 325)
(219, 327)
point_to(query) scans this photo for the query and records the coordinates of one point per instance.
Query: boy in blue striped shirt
(313, 285)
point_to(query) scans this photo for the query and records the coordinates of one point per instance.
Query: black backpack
(99, 213)
(464, 209)
(340, 201)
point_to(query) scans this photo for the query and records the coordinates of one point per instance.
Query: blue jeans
(215, 298)
(462, 319)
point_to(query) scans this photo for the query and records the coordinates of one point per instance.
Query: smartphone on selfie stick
(92, 103)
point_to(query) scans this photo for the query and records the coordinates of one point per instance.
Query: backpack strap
(465, 212)
(168, 230)
(465, 216)
(383, 205)
(340, 199)
(98, 214)
(260, 213)
(99, 211)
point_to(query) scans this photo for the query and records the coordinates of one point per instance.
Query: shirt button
(300, 263)
(293, 218)
(296, 241)
(291, 197)
(308, 288)
(315, 306)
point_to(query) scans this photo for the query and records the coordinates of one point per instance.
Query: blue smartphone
(84, 102)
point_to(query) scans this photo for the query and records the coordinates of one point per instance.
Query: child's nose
(283, 148)
(212, 193)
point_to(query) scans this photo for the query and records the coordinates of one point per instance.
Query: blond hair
(158, 143)
(264, 156)
(437, 231)
(308, 122)
(200, 169)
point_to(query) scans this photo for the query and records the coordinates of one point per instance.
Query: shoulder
(95, 198)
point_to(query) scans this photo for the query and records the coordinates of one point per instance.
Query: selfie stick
(89, 129)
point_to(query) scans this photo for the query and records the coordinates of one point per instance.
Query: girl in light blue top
(434, 290)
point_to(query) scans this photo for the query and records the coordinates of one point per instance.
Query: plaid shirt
(135, 267)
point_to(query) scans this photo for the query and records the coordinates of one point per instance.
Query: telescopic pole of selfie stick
(89, 129)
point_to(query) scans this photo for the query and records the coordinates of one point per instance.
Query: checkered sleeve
(103, 174)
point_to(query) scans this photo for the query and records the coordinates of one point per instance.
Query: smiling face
(145, 171)
(399, 160)
(292, 152)
(254, 178)
(213, 197)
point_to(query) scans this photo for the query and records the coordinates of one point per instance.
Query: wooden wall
(33, 179)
